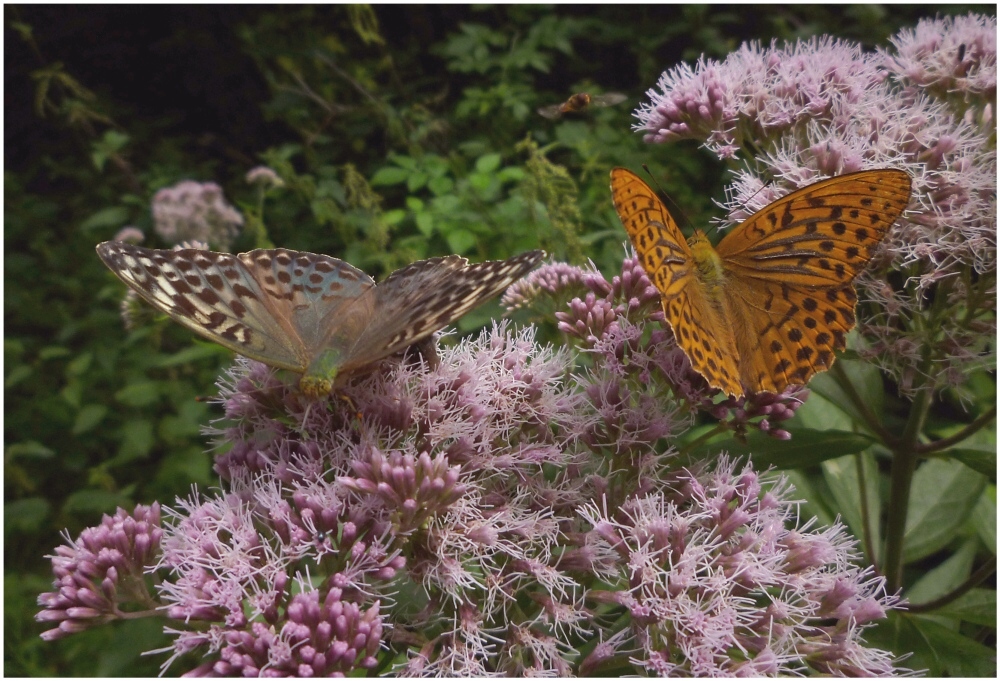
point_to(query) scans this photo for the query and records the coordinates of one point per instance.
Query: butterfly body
(312, 314)
(771, 304)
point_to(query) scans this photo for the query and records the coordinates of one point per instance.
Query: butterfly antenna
(678, 210)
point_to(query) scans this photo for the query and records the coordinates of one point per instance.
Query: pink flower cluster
(716, 584)
(103, 569)
(196, 211)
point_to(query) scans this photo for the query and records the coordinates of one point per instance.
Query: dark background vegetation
(399, 131)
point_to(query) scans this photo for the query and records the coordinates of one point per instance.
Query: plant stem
(904, 464)
(944, 443)
(974, 580)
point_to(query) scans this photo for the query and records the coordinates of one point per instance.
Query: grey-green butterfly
(308, 313)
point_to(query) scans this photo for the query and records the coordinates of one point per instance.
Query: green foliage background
(401, 132)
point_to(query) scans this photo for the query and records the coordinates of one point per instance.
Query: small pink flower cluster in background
(196, 211)
(823, 107)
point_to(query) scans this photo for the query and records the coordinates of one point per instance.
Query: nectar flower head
(195, 211)
(265, 177)
(105, 565)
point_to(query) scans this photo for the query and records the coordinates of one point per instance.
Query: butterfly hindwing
(785, 333)
(212, 294)
(313, 294)
(821, 235)
(421, 298)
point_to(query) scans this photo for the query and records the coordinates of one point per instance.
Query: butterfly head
(315, 386)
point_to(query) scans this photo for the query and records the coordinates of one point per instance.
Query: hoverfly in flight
(581, 102)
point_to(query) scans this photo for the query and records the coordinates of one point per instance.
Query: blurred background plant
(392, 134)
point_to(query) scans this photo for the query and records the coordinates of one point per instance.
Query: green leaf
(416, 180)
(440, 186)
(460, 240)
(139, 394)
(389, 176)
(198, 351)
(394, 216)
(812, 505)
(18, 374)
(947, 653)
(978, 606)
(946, 576)
(980, 460)
(30, 449)
(92, 501)
(88, 417)
(53, 352)
(27, 516)
(137, 440)
(113, 216)
(841, 477)
(984, 519)
(806, 448)
(866, 380)
(942, 496)
(425, 223)
(488, 163)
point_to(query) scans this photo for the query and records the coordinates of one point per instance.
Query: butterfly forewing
(821, 235)
(422, 298)
(698, 326)
(213, 294)
(658, 240)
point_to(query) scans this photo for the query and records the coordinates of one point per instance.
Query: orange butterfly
(771, 303)
(581, 102)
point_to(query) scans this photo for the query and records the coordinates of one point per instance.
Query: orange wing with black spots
(820, 236)
(698, 326)
(774, 301)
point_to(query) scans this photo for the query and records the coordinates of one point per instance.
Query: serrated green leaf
(806, 448)
(942, 496)
(137, 440)
(199, 350)
(950, 653)
(416, 180)
(53, 352)
(440, 186)
(139, 394)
